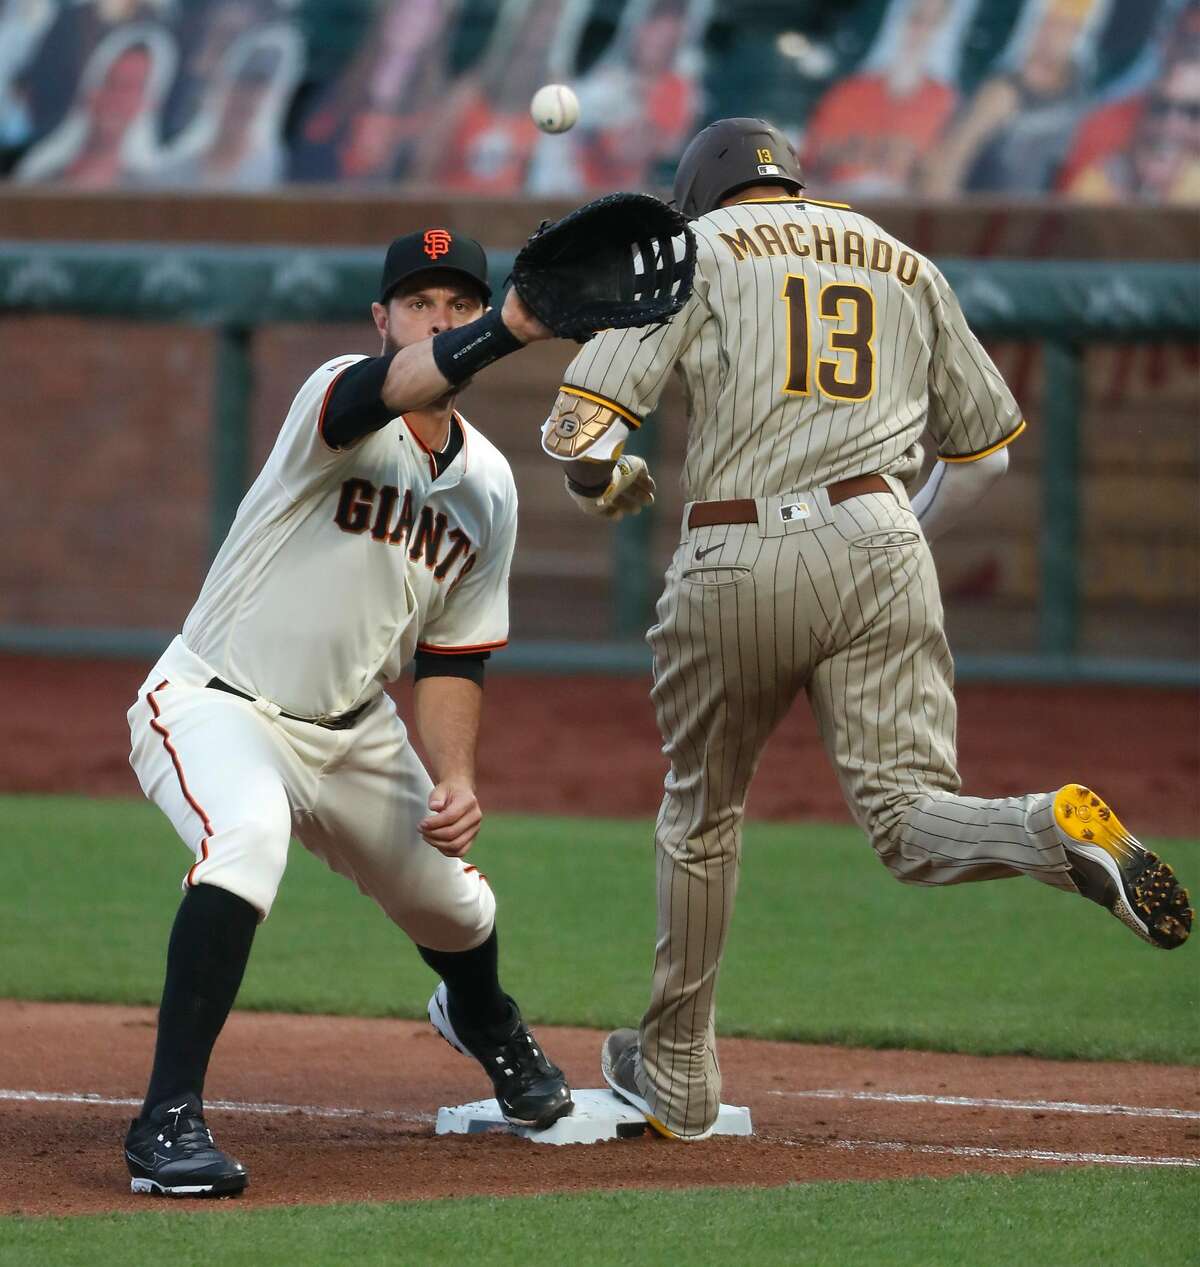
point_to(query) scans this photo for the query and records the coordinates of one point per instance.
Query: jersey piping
(470, 650)
(422, 446)
(432, 454)
(465, 439)
(819, 202)
(983, 453)
(161, 730)
(634, 421)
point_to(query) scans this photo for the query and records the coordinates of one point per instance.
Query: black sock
(473, 982)
(207, 955)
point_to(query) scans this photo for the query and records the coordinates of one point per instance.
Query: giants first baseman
(379, 533)
(815, 351)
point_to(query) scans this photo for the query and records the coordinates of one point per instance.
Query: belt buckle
(343, 721)
(338, 721)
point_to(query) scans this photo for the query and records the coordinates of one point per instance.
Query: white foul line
(1016, 1154)
(985, 1102)
(947, 1150)
(232, 1106)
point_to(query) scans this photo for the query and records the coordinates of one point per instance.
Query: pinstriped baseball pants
(840, 602)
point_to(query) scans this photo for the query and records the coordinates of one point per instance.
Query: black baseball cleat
(172, 1154)
(530, 1090)
(1112, 868)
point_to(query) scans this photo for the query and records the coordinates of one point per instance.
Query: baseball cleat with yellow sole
(1111, 867)
(619, 1059)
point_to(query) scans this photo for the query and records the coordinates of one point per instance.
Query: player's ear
(379, 314)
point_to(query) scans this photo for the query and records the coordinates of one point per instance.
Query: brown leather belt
(339, 721)
(744, 510)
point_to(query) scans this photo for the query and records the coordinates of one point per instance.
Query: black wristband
(460, 353)
(587, 490)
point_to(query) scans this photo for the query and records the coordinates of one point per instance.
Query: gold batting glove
(630, 489)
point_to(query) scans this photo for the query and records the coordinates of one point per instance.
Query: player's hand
(630, 489)
(518, 318)
(454, 819)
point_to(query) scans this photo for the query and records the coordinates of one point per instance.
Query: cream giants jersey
(341, 563)
(815, 346)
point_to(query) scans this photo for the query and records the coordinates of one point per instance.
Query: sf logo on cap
(437, 242)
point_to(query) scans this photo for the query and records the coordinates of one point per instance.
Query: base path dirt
(1139, 748)
(364, 1095)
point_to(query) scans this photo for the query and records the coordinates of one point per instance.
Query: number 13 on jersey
(847, 312)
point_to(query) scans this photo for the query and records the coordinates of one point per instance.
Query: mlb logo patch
(769, 169)
(794, 510)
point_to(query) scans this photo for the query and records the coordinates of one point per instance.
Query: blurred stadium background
(194, 198)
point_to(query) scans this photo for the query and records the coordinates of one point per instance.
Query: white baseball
(554, 108)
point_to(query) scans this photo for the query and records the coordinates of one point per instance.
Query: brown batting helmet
(729, 155)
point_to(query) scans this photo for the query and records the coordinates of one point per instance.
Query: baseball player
(379, 533)
(815, 350)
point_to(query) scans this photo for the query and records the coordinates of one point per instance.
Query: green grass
(825, 946)
(1083, 1217)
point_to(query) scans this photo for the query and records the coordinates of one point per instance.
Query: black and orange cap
(429, 249)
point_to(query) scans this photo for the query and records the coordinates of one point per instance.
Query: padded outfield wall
(127, 453)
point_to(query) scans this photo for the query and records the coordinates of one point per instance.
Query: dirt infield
(359, 1095)
(1140, 749)
(364, 1094)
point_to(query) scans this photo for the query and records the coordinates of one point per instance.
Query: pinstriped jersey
(815, 347)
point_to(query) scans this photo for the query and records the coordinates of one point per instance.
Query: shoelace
(521, 1059)
(185, 1136)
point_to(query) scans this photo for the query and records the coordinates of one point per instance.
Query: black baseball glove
(622, 260)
